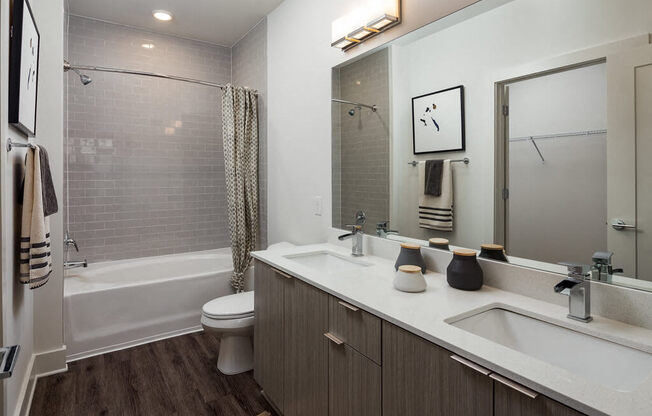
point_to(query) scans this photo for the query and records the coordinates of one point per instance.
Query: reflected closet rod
(466, 161)
(67, 66)
(555, 136)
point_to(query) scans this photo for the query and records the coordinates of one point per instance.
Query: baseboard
(41, 365)
(27, 390)
(134, 343)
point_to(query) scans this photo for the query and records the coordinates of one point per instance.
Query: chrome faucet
(382, 229)
(577, 287)
(69, 241)
(357, 236)
(602, 270)
(67, 264)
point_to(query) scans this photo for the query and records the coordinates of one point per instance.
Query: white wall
(477, 53)
(299, 129)
(33, 319)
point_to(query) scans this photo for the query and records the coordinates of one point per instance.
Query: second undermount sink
(327, 261)
(612, 365)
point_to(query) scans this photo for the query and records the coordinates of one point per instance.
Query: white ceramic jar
(409, 279)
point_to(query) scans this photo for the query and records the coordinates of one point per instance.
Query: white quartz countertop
(425, 314)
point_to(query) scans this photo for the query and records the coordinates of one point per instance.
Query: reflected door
(556, 172)
(629, 149)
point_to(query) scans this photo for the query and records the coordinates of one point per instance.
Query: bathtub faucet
(74, 264)
(69, 241)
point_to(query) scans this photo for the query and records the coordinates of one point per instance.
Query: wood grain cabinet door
(306, 350)
(509, 401)
(354, 383)
(268, 331)
(419, 378)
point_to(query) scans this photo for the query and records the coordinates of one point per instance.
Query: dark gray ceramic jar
(493, 252)
(464, 271)
(440, 243)
(411, 255)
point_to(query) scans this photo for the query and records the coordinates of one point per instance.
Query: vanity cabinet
(290, 351)
(354, 383)
(420, 378)
(511, 402)
(318, 355)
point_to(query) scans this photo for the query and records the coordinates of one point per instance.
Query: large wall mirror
(522, 123)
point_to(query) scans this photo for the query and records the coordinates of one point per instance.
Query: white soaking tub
(119, 304)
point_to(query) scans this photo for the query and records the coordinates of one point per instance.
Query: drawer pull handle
(287, 276)
(509, 383)
(471, 365)
(349, 307)
(333, 338)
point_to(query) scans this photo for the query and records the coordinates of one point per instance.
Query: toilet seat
(235, 307)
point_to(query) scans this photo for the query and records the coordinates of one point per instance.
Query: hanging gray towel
(35, 254)
(50, 205)
(436, 212)
(433, 177)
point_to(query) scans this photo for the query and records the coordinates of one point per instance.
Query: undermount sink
(612, 365)
(327, 261)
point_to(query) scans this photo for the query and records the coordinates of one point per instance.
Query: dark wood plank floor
(176, 376)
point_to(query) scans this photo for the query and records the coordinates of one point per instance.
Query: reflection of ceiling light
(148, 45)
(365, 21)
(162, 15)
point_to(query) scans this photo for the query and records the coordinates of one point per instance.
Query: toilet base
(236, 354)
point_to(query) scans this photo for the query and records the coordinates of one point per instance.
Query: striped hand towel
(436, 212)
(35, 256)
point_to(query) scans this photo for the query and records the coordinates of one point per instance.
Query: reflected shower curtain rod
(372, 107)
(67, 66)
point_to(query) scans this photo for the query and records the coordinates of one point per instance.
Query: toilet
(232, 319)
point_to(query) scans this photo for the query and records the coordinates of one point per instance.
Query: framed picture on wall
(438, 121)
(23, 68)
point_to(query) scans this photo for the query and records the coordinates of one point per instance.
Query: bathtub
(119, 304)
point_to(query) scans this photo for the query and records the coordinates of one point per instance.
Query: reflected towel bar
(465, 161)
(11, 144)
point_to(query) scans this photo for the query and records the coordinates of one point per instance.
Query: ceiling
(222, 22)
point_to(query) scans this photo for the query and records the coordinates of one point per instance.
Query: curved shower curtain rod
(372, 107)
(67, 66)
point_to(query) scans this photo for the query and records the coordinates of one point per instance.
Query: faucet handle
(602, 257)
(577, 270)
(354, 228)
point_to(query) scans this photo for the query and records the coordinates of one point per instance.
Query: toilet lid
(239, 305)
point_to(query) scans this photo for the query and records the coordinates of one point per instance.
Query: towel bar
(11, 144)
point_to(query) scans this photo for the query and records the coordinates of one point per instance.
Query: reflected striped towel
(35, 255)
(436, 212)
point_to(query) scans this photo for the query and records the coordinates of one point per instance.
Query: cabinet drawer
(358, 329)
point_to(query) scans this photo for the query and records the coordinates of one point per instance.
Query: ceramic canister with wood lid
(410, 254)
(440, 243)
(464, 271)
(409, 279)
(493, 252)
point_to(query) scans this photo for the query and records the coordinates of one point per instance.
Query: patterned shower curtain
(240, 135)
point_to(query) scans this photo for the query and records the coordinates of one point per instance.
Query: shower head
(352, 112)
(85, 79)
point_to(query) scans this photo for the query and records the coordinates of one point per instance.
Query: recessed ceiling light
(162, 15)
(148, 45)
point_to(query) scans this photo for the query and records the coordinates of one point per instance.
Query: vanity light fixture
(148, 45)
(380, 15)
(162, 15)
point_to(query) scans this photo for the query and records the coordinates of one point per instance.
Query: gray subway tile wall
(364, 141)
(145, 160)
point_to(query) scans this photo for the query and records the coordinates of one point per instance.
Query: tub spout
(74, 264)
